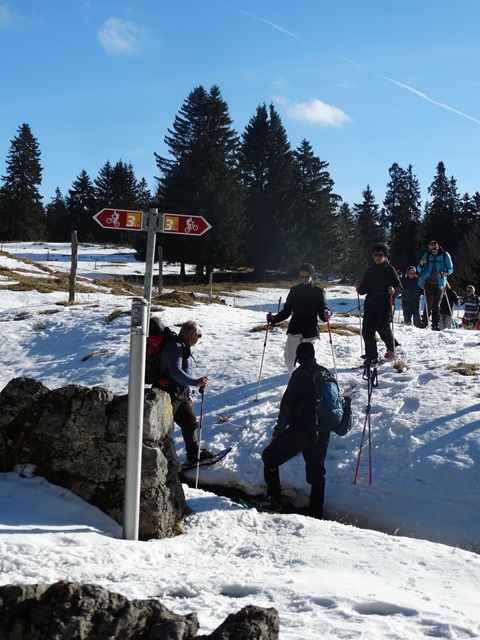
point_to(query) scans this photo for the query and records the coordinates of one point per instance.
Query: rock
(76, 437)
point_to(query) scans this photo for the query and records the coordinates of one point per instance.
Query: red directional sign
(119, 219)
(186, 225)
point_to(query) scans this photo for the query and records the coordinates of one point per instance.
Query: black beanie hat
(380, 246)
(305, 350)
(309, 268)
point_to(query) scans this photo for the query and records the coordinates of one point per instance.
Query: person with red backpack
(174, 376)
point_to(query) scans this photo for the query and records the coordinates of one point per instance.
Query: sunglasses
(433, 248)
(199, 335)
(378, 255)
(305, 277)
(412, 272)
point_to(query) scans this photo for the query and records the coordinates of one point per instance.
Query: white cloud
(6, 16)
(317, 112)
(121, 36)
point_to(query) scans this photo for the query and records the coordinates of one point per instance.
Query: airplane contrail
(272, 24)
(408, 88)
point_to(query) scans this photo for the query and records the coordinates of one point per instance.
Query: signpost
(120, 219)
(185, 225)
(152, 222)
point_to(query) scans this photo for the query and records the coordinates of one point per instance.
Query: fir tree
(401, 214)
(349, 246)
(370, 229)
(201, 178)
(270, 180)
(82, 206)
(443, 211)
(21, 212)
(316, 212)
(58, 220)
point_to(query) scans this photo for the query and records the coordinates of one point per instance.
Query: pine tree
(370, 229)
(348, 248)
(401, 214)
(116, 187)
(316, 213)
(201, 178)
(58, 220)
(443, 211)
(270, 180)
(82, 206)
(21, 212)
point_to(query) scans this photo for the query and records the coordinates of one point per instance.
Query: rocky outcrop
(69, 611)
(76, 438)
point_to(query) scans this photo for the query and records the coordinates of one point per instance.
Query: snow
(397, 558)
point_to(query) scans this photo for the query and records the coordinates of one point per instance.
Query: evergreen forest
(271, 207)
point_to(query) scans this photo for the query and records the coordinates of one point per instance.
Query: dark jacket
(297, 407)
(175, 366)
(411, 291)
(376, 280)
(306, 302)
(452, 299)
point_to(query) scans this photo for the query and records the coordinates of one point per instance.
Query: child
(411, 295)
(471, 317)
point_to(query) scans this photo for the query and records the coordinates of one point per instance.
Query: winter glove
(269, 318)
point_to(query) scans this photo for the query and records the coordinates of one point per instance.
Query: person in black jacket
(411, 295)
(381, 284)
(305, 303)
(449, 298)
(296, 432)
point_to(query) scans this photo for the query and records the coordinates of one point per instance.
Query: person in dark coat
(296, 432)
(411, 295)
(305, 303)
(449, 298)
(175, 377)
(381, 284)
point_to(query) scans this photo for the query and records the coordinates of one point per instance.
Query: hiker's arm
(174, 361)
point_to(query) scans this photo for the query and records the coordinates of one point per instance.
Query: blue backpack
(333, 411)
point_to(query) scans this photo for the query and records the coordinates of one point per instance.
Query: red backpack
(158, 336)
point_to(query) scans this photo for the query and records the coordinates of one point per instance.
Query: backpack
(158, 336)
(333, 411)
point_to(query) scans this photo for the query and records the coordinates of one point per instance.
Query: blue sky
(368, 83)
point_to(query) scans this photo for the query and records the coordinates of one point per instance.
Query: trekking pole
(331, 346)
(261, 364)
(372, 377)
(392, 315)
(360, 321)
(452, 321)
(201, 390)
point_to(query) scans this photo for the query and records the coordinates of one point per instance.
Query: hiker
(381, 284)
(296, 432)
(434, 268)
(305, 303)
(449, 298)
(411, 295)
(471, 301)
(175, 378)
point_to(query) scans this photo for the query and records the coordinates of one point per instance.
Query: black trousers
(374, 321)
(433, 298)
(186, 419)
(286, 446)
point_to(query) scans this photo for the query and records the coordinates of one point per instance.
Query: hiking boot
(389, 355)
(266, 502)
(435, 328)
(205, 454)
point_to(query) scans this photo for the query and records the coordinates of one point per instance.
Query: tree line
(271, 207)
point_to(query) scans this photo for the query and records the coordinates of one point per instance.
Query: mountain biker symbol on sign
(186, 225)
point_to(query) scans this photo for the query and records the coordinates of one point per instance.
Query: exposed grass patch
(464, 368)
(335, 327)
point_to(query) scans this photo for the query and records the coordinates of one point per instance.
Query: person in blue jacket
(434, 268)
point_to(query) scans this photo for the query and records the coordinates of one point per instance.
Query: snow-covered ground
(327, 579)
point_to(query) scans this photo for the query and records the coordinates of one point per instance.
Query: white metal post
(136, 376)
